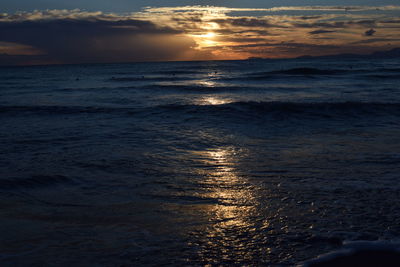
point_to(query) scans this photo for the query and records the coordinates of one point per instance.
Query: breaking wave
(323, 109)
(326, 110)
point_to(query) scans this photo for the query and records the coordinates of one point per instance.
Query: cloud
(244, 22)
(377, 40)
(75, 37)
(215, 9)
(335, 24)
(391, 21)
(192, 33)
(244, 32)
(295, 49)
(320, 32)
(370, 32)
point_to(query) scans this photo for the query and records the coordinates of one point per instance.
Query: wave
(298, 72)
(312, 72)
(11, 78)
(388, 70)
(307, 71)
(324, 110)
(185, 88)
(97, 89)
(235, 109)
(360, 253)
(384, 77)
(295, 106)
(293, 73)
(60, 110)
(33, 181)
(178, 72)
(196, 88)
(147, 78)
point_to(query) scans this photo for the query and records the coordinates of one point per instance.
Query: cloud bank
(273, 9)
(76, 37)
(194, 33)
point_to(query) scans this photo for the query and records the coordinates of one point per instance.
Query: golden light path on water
(229, 188)
(213, 100)
(234, 220)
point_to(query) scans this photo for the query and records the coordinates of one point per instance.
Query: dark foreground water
(221, 163)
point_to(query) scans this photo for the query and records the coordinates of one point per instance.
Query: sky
(57, 32)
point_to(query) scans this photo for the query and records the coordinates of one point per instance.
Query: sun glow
(210, 35)
(205, 39)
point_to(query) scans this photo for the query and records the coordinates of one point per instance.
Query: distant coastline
(392, 53)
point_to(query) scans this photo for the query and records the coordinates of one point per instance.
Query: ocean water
(228, 163)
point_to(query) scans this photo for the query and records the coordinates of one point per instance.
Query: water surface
(194, 163)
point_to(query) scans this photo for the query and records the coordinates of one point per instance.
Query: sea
(216, 163)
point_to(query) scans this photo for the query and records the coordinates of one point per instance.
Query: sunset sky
(43, 32)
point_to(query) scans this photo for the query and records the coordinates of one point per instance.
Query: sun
(207, 35)
(205, 39)
(210, 35)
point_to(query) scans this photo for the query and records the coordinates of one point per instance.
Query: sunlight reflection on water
(233, 220)
(213, 100)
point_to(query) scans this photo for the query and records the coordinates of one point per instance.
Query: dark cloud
(337, 24)
(294, 49)
(6, 59)
(247, 32)
(244, 22)
(243, 39)
(394, 21)
(191, 18)
(310, 17)
(320, 31)
(365, 23)
(96, 40)
(287, 45)
(376, 40)
(370, 32)
(188, 22)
